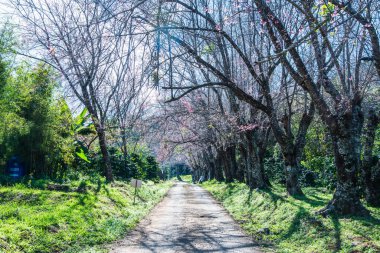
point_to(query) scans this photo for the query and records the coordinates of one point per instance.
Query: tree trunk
(231, 153)
(98, 124)
(292, 171)
(372, 185)
(208, 157)
(243, 161)
(211, 170)
(195, 174)
(226, 165)
(255, 165)
(105, 155)
(218, 168)
(260, 160)
(346, 199)
(346, 145)
(371, 166)
(125, 152)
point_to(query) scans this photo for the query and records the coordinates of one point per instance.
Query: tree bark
(292, 171)
(346, 145)
(219, 167)
(226, 165)
(211, 170)
(124, 149)
(105, 155)
(233, 165)
(255, 165)
(370, 165)
(242, 161)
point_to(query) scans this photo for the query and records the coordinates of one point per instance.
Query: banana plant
(81, 127)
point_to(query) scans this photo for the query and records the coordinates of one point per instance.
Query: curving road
(187, 220)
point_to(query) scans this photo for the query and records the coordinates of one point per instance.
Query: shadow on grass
(368, 220)
(301, 223)
(303, 216)
(26, 198)
(98, 186)
(275, 198)
(314, 196)
(337, 233)
(249, 199)
(230, 188)
(117, 203)
(295, 225)
(313, 202)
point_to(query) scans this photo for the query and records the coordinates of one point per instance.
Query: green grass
(292, 222)
(187, 178)
(34, 220)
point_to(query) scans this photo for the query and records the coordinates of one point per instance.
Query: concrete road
(187, 220)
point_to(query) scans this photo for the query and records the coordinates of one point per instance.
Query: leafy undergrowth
(290, 223)
(33, 220)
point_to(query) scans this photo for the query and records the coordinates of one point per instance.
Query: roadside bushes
(33, 124)
(135, 165)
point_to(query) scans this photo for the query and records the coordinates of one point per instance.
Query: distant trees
(285, 59)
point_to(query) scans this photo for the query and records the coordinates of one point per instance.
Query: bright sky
(7, 13)
(4, 9)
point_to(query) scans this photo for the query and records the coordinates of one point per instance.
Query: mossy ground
(34, 220)
(292, 222)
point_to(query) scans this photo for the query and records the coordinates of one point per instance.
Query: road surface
(187, 220)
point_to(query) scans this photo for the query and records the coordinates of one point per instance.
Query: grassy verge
(290, 224)
(34, 220)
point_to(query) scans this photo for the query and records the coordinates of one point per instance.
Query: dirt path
(187, 220)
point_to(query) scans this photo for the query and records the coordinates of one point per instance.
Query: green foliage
(82, 126)
(139, 164)
(292, 222)
(49, 221)
(38, 184)
(208, 49)
(274, 165)
(327, 9)
(324, 167)
(35, 126)
(318, 155)
(38, 127)
(318, 159)
(7, 40)
(187, 178)
(274, 169)
(82, 155)
(376, 148)
(152, 168)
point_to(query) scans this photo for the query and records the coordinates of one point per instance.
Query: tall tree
(339, 103)
(83, 41)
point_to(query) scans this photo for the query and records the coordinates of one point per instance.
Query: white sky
(5, 10)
